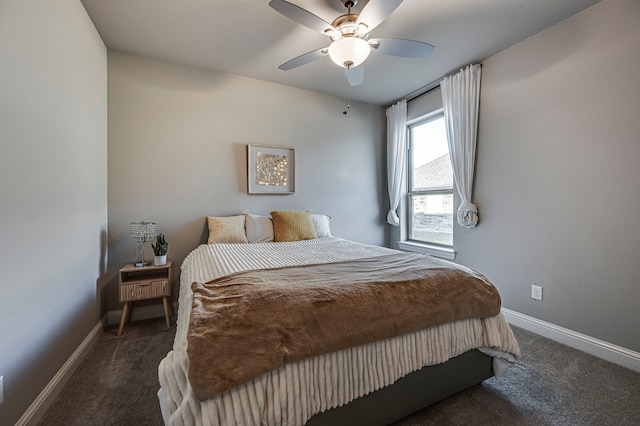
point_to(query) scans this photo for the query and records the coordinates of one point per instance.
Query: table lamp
(142, 232)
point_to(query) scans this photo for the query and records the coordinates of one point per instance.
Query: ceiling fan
(349, 33)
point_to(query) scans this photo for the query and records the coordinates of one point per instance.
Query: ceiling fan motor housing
(346, 25)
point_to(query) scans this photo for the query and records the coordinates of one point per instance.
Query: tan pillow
(228, 229)
(292, 226)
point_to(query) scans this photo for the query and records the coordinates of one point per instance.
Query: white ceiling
(249, 38)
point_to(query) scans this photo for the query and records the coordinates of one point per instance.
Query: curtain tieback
(467, 214)
(392, 218)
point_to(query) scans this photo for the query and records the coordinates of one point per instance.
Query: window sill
(441, 252)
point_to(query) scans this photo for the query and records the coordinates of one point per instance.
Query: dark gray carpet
(551, 385)
(117, 383)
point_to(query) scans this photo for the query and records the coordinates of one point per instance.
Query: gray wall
(557, 174)
(177, 141)
(53, 191)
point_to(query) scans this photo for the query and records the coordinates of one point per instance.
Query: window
(430, 195)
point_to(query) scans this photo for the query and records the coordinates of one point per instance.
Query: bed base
(410, 393)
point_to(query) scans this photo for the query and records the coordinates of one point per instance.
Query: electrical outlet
(536, 292)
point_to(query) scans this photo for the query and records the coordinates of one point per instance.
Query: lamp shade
(349, 51)
(143, 232)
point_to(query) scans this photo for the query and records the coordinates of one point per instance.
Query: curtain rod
(437, 86)
(426, 92)
(419, 93)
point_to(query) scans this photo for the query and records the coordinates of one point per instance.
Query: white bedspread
(297, 391)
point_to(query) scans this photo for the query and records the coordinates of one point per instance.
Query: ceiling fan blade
(304, 59)
(403, 48)
(377, 11)
(355, 75)
(302, 16)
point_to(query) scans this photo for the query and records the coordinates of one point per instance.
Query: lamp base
(141, 264)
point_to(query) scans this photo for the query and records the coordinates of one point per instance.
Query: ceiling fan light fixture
(349, 52)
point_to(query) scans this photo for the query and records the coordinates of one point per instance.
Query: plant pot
(160, 260)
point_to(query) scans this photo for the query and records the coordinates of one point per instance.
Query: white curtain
(461, 98)
(396, 156)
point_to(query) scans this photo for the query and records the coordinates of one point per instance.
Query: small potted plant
(160, 250)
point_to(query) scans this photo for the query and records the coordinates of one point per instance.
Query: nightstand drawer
(144, 290)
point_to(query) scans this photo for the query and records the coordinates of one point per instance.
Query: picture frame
(270, 169)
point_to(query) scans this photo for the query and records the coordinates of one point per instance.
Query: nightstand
(142, 283)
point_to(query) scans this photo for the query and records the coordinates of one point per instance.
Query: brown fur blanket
(249, 323)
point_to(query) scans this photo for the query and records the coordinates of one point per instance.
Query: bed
(366, 382)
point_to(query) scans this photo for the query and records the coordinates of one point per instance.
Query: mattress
(293, 393)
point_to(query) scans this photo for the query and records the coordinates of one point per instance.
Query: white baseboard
(38, 408)
(598, 348)
(139, 313)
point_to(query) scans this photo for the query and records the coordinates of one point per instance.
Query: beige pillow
(228, 229)
(292, 226)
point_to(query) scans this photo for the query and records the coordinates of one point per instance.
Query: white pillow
(259, 229)
(321, 224)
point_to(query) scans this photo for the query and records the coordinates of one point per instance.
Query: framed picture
(270, 169)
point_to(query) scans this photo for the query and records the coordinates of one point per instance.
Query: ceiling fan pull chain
(346, 90)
